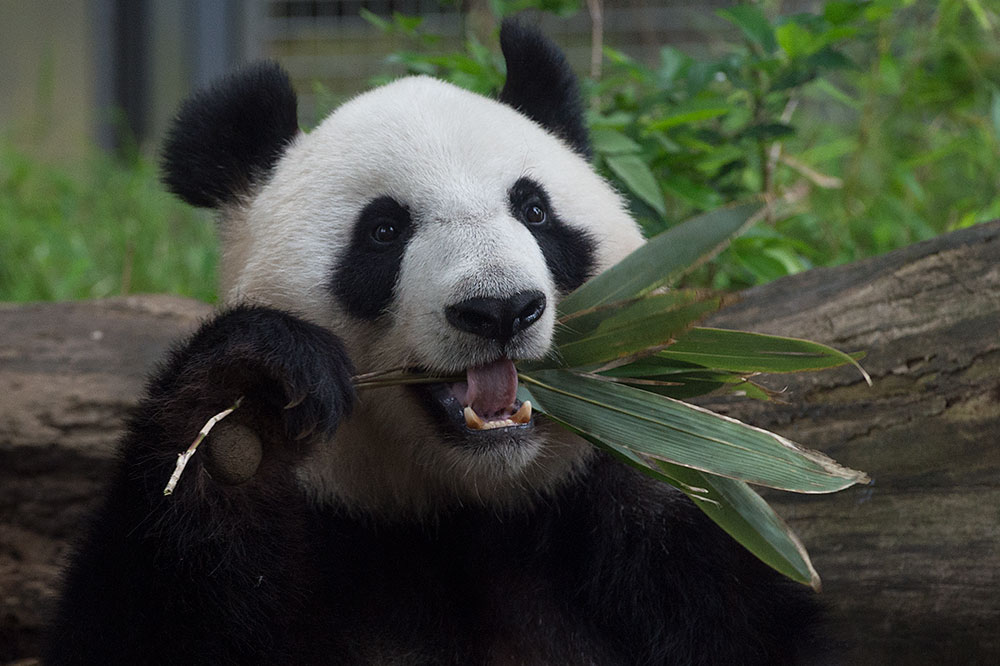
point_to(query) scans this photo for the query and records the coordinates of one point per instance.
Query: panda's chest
(463, 593)
(518, 623)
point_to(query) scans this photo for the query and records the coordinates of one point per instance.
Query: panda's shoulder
(619, 524)
(642, 547)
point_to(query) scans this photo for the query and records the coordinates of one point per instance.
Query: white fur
(450, 157)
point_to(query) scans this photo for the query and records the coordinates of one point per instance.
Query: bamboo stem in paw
(183, 458)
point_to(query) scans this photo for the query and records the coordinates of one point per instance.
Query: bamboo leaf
(731, 504)
(645, 324)
(683, 434)
(746, 517)
(684, 385)
(582, 323)
(741, 351)
(662, 259)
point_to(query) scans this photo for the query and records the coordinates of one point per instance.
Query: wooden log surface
(910, 563)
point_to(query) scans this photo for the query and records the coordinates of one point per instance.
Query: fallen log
(910, 563)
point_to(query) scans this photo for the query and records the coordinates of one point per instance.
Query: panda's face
(433, 230)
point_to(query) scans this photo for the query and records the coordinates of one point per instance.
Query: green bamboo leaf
(746, 517)
(632, 331)
(731, 504)
(639, 179)
(675, 432)
(651, 367)
(582, 323)
(686, 385)
(663, 258)
(741, 351)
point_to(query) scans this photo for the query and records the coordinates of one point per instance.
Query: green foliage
(102, 229)
(563, 8)
(865, 131)
(704, 128)
(478, 68)
(926, 157)
(867, 125)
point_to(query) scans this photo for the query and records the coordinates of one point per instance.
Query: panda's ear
(227, 138)
(541, 85)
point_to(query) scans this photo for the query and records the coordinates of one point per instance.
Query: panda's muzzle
(487, 399)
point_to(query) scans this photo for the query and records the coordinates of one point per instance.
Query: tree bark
(909, 563)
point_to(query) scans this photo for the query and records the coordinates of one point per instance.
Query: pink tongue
(492, 388)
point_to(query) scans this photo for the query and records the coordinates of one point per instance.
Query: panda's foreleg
(216, 572)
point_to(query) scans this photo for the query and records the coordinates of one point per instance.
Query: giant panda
(425, 227)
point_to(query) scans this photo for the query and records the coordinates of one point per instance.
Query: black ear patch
(226, 139)
(541, 85)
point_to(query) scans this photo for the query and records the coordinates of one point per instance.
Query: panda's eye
(385, 231)
(534, 213)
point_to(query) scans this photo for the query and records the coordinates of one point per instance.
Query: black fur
(541, 85)
(365, 277)
(213, 573)
(569, 252)
(613, 568)
(226, 139)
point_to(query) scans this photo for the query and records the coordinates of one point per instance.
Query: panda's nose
(497, 319)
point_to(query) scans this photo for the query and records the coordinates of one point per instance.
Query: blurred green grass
(102, 227)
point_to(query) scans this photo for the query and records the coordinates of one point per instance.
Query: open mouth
(486, 400)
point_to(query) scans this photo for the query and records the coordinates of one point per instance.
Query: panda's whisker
(365, 376)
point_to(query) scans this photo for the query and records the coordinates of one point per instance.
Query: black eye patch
(365, 277)
(569, 252)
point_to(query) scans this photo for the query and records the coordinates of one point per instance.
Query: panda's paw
(294, 377)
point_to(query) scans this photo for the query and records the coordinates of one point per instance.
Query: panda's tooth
(522, 415)
(502, 423)
(475, 422)
(472, 420)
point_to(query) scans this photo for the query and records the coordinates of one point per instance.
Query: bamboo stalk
(183, 458)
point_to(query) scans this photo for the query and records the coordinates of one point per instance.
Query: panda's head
(430, 228)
